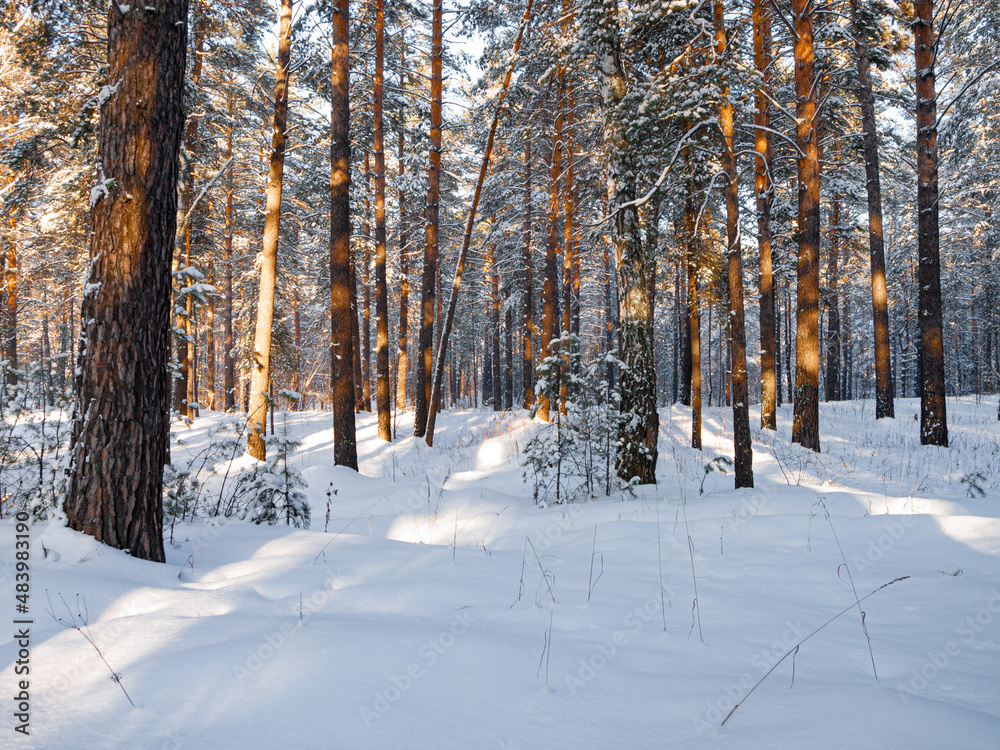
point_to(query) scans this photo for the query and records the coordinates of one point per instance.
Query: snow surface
(419, 620)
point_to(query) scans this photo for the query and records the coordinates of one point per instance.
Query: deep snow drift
(423, 618)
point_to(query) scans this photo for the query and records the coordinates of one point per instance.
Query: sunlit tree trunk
(527, 368)
(342, 389)
(381, 293)
(404, 242)
(880, 297)
(933, 418)
(9, 348)
(428, 286)
(693, 318)
(764, 196)
(736, 323)
(833, 334)
(120, 431)
(805, 428)
(260, 371)
(550, 282)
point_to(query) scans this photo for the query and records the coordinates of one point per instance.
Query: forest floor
(414, 613)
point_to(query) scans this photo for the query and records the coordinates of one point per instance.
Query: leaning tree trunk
(933, 419)
(381, 293)
(880, 297)
(742, 443)
(769, 396)
(805, 427)
(428, 292)
(260, 371)
(342, 389)
(638, 430)
(120, 431)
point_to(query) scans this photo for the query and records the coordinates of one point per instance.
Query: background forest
(702, 101)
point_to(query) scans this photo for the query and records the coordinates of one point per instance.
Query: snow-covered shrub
(573, 455)
(273, 488)
(31, 443)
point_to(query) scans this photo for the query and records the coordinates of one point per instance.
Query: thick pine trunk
(805, 428)
(260, 371)
(880, 297)
(381, 292)
(342, 388)
(428, 287)
(742, 444)
(933, 418)
(763, 192)
(120, 432)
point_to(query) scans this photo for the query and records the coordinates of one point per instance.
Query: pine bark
(638, 433)
(550, 283)
(833, 334)
(428, 287)
(933, 417)
(120, 432)
(342, 387)
(764, 195)
(880, 298)
(742, 444)
(260, 371)
(527, 367)
(402, 364)
(381, 292)
(805, 427)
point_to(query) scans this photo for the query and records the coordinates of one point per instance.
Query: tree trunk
(764, 194)
(638, 432)
(9, 349)
(933, 418)
(494, 351)
(805, 428)
(880, 298)
(342, 387)
(229, 363)
(833, 335)
(428, 291)
(365, 300)
(381, 293)
(550, 283)
(260, 371)
(404, 242)
(120, 432)
(737, 327)
(527, 367)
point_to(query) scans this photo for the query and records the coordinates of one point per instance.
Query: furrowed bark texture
(120, 431)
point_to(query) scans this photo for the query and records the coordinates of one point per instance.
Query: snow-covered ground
(419, 616)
